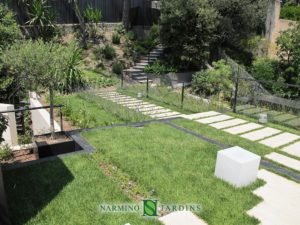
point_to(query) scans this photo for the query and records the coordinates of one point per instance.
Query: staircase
(137, 71)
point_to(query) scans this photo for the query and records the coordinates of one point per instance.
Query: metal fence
(252, 99)
(141, 12)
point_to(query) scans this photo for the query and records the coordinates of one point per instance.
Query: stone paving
(293, 149)
(284, 160)
(281, 201)
(181, 218)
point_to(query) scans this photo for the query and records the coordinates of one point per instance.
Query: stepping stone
(280, 200)
(123, 99)
(164, 115)
(228, 123)
(279, 140)
(260, 134)
(214, 119)
(243, 128)
(151, 109)
(293, 149)
(284, 160)
(201, 115)
(139, 107)
(157, 111)
(181, 218)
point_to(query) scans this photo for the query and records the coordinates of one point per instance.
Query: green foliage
(290, 13)
(3, 125)
(159, 68)
(120, 29)
(289, 57)
(5, 153)
(214, 81)
(92, 15)
(116, 39)
(188, 28)
(155, 33)
(107, 52)
(117, 68)
(265, 69)
(98, 79)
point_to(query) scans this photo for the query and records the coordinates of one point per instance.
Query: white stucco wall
(41, 117)
(10, 134)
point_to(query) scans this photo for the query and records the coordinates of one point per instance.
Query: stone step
(284, 160)
(149, 109)
(139, 77)
(201, 115)
(160, 111)
(214, 119)
(144, 81)
(243, 128)
(139, 67)
(132, 70)
(164, 115)
(280, 140)
(142, 64)
(293, 149)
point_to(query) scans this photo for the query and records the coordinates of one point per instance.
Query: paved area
(280, 140)
(243, 128)
(293, 149)
(281, 201)
(261, 134)
(148, 109)
(201, 115)
(228, 123)
(181, 218)
(284, 160)
(214, 119)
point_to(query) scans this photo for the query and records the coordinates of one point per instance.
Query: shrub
(92, 15)
(5, 153)
(155, 33)
(116, 39)
(117, 68)
(214, 81)
(3, 125)
(158, 68)
(108, 52)
(290, 13)
(120, 29)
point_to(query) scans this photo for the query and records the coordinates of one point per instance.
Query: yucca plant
(93, 17)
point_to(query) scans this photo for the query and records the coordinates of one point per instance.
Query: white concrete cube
(10, 135)
(237, 166)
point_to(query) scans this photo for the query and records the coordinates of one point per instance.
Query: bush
(158, 68)
(3, 125)
(120, 29)
(214, 81)
(92, 15)
(290, 13)
(108, 52)
(155, 33)
(117, 68)
(5, 153)
(116, 39)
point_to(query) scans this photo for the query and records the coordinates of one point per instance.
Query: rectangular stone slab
(181, 218)
(214, 119)
(228, 123)
(280, 140)
(163, 115)
(243, 128)
(293, 149)
(157, 111)
(149, 109)
(261, 134)
(201, 115)
(284, 160)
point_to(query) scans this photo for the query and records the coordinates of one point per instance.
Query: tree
(240, 19)
(3, 126)
(40, 65)
(188, 27)
(214, 81)
(126, 13)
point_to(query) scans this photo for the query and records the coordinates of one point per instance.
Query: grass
(66, 191)
(87, 110)
(223, 137)
(98, 79)
(171, 99)
(177, 168)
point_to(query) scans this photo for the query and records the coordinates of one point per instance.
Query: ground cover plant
(191, 161)
(86, 110)
(98, 79)
(67, 191)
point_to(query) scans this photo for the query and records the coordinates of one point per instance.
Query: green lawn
(66, 192)
(177, 168)
(99, 79)
(87, 110)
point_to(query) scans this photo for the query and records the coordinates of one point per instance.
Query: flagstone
(201, 115)
(243, 128)
(280, 140)
(228, 123)
(157, 111)
(293, 149)
(163, 115)
(284, 160)
(182, 218)
(261, 134)
(214, 119)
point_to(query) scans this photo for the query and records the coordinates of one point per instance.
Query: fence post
(147, 86)
(61, 120)
(236, 92)
(122, 79)
(182, 95)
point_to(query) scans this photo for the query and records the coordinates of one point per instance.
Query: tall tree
(126, 13)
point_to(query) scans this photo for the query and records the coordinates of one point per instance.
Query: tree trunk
(126, 13)
(52, 113)
(84, 34)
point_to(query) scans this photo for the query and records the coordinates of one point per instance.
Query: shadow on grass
(30, 189)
